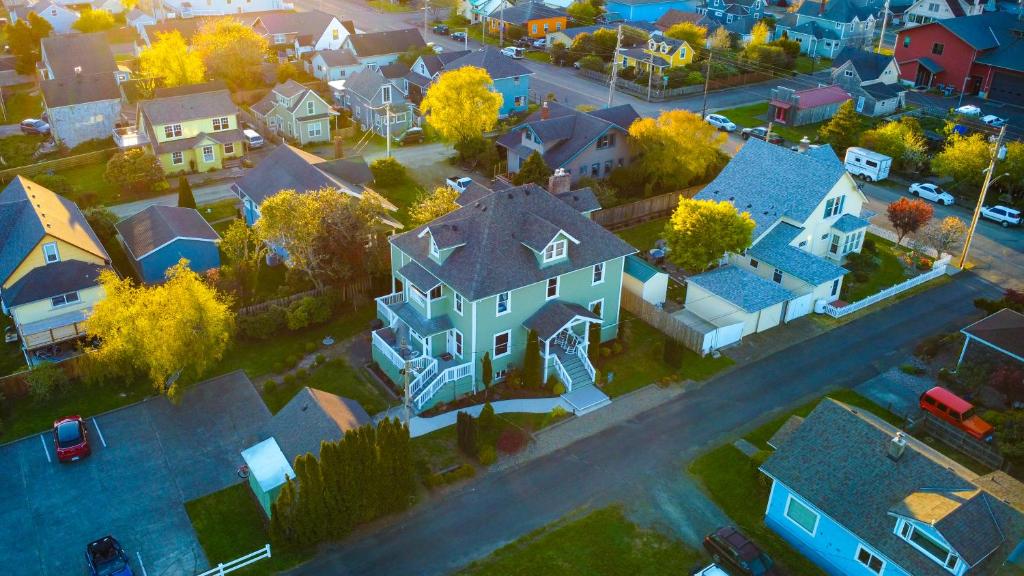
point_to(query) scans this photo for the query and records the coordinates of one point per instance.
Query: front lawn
(755, 115)
(643, 236)
(258, 358)
(602, 543)
(889, 271)
(230, 524)
(334, 376)
(538, 56)
(805, 65)
(89, 180)
(220, 210)
(18, 150)
(641, 363)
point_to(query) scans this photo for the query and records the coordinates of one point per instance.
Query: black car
(458, 36)
(761, 133)
(106, 557)
(441, 29)
(727, 546)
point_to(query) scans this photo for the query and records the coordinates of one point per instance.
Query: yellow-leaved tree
(171, 333)
(691, 33)
(675, 149)
(700, 232)
(759, 34)
(231, 51)
(433, 205)
(170, 60)
(461, 106)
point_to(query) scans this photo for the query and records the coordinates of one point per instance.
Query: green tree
(1014, 165)
(963, 159)
(102, 221)
(944, 234)
(532, 368)
(487, 423)
(231, 51)
(700, 232)
(23, 38)
(675, 149)
(310, 513)
(430, 206)
(486, 371)
(689, 32)
(244, 253)
(287, 71)
(410, 56)
(134, 170)
(903, 141)
(461, 105)
(582, 13)
(534, 170)
(282, 517)
(844, 129)
(465, 433)
(140, 336)
(94, 21)
(45, 379)
(170, 60)
(185, 197)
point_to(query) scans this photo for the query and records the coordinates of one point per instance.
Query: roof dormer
(443, 238)
(549, 243)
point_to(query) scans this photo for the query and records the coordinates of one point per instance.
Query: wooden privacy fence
(352, 292)
(16, 386)
(663, 322)
(58, 164)
(961, 441)
(626, 215)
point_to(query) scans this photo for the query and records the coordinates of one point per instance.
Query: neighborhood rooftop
(387, 42)
(69, 54)
(187, 107)
(493, 61)
(313, 416)
(79, 89)
(526, 11)
(158, 225)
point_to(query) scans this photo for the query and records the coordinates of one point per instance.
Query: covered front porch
(53, 339)
(562, 330)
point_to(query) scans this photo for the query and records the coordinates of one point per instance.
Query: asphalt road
(630, 461)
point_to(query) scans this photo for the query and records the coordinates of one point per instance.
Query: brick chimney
(545, 113)
(559, 182)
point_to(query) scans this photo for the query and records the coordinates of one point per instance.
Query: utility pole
(707, 78)
(981, 198)
(426, 8)
(501, 24)
(650, 75)
(885, 18)
(615, 66)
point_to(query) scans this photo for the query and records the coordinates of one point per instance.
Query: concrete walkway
(203, 195)
(420, 426)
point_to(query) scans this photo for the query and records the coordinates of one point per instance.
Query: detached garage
(160, 236)
(730, 295)
(645, 281)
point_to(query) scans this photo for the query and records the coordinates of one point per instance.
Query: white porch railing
(937, 270)
(581, 353)
(449, 374)
(384, 303)
(238, 563)
(424, 376)
(563, 375)
(389, 352)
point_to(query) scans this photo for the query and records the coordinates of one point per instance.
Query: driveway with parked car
(147, 460)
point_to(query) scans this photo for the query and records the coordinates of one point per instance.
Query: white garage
(731, 294)
(645, 281)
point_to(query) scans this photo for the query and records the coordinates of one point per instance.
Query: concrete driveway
(148, 460)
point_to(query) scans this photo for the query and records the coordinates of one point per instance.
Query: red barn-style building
(981, 55)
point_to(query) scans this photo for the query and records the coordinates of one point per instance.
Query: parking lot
(147, 460)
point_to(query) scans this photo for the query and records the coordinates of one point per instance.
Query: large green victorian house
(478, 279)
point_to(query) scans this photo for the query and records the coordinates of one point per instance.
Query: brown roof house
(799, 107)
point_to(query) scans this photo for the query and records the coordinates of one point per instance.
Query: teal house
(477, 280)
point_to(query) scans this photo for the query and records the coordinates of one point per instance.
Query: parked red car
(71, 439)
(957, 411)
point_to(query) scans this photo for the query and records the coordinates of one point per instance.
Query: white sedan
(720, 122)
(993, 120)
(932, 192)
(969, 110)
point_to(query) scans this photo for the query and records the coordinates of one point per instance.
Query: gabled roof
(189, 26)
(312, 23)
(813, 28)
(822, 96)
(366, 83)
(90, 52)
(553, 316)
(80, 89)
(837, 461)
(775, 248)
(434, 63)
(188, 107)
(742, 288)
(639, 25)
(203, 88)
(1003, 329)
(675, 16)
(387, 42)
(52, 280)
(338, 57)
(794, 187)
(993, 33)
(313, 416)
(869, 65)
(836, 10)
(492, 232)
(493, 61)
(29, 212)
(526, 11)
(156, 226)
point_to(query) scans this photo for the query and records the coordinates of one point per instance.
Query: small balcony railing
(129, 137)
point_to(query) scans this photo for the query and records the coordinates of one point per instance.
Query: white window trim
(212, 155)
(460, 343)
(547, 288)
(940, 562)
(177, 158)
(314, 129)
(598, 301)
(508, 304)
(555, 245)
(785, 512)
(599, 266)
(459, 304)
(856, 557)
(494, 345)
(56, 253)
(65, 296)
(433, 249)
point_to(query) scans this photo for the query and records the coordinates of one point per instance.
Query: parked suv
(106, 557)
(732, 549)
(761, 133)
(1001, 214)
(959, 412)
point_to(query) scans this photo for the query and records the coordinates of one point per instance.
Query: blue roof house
(648, 10)
(807, 216)
(857, 496)
(511, 79)
(160, 236)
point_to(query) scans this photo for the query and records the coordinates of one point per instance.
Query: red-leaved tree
(908, 216)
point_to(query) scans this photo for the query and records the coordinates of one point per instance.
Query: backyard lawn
(403, 196)
(757, 115)
(22, 105)
(643, 236)
(805, 65)
(601, 543)
(18, 150)
(221, 210)
(231, 524)
(334, 376)
(89, 180)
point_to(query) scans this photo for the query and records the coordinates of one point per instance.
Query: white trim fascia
(171, 241)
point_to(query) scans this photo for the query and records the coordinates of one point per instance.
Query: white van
(252, 138)
(867, 164)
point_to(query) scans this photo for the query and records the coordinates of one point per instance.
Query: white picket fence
(238, 563)
(937, 270)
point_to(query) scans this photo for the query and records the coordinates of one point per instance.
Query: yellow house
(661, 53)
(50, 261)
(194, 132)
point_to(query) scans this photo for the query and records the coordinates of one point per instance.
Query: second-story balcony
(130, 137)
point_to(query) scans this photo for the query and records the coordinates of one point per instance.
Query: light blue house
(648, 10)
(160, 236)
(511, 79)
(859, 497)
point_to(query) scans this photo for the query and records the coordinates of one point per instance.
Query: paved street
(636, 461)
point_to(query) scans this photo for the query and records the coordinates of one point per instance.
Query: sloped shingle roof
(80, 89)
(313, 416)
(1004, 329)
(52, 280)
(525, 11)
(493, 61)
(741, 288)
(774, 248)
(90, 52)
(869, 65)
(387, 42)
(158, 225)
(289, 168)
(188, 107)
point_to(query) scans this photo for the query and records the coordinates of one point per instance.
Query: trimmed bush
(388, 172)
(512, 440)
(487, 422)
(487, 455)
(868, 246)
(465, 430)
(320, 359)
(46, 379)
(308, 311)
(292, 360)
(616, 348)
(558, 389)
(311, 347)
(605, 352)
(301, 374)
(290, 379)
(261, 326)
(277, 368)
(269, 386)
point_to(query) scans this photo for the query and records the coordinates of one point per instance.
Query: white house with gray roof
(857, 496)
(379, 96)
(807, 214)
(478, 280)
(295, 112)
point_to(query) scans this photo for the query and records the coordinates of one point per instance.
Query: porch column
(963, 353)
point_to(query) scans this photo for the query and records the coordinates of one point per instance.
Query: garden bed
(880, 264)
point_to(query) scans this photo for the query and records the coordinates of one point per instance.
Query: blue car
(106, 557)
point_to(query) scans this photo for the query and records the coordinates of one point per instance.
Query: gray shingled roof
(158, 225)
(338, 57)
(288, 168)
(554, 315)
(80, 89)
(52, 280)
(221, 136)
(313, 416)
(525, 11)
(493, 61)
(366, 83)
(90, 52)
(742, 288)
(352, 170)
(794, 187)
(188, 107)
(837, 461)
(582, 199)
(869, 65)
(313, 22)
(28, 212)
(848, 223)
(994, 33)
(775, 249)
(420, 278)
(387, 42)
(836, 10)
(494, 258)
(1004, 329)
